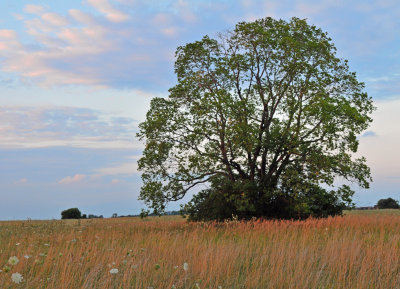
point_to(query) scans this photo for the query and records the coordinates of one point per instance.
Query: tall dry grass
(343, 252)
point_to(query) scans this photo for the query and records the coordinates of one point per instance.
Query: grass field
(359, 250)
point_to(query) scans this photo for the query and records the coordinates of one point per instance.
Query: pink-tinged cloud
(7, 34)
(34, 9)
(55, 19)
(131, 43)
(70, 180)
(22, 181)
(81, 17)
(111, 13)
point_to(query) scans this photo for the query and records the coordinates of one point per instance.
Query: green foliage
(266, 117)
(144, 213)
(72, 213)
(388, 203)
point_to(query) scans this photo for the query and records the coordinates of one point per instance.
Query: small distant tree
(72, 213)
(115, 215)
(388, 203)
(144, 213)
(84, 216)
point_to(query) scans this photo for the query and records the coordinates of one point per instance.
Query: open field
(383, 212)
(354, 251)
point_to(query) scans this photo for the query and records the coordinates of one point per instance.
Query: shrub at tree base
(72, 213)
(266, 117)
(224, 202)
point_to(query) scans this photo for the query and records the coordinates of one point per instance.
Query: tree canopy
(266, 117)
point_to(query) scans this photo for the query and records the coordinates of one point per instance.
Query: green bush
(72, 213)
(388, 203)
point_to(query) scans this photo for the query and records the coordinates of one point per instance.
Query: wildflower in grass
(114, 271)
(46, 244)
(16, 278)
(17, 244)
(27, 256)
(176, 267)
(197, 286)
(73, 240)
(13, 260)
(185, 266)
(6, 268)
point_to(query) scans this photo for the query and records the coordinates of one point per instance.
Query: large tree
(266, 117)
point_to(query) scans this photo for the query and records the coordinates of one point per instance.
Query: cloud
(369, 133)
(130, 44)
(7, 34)
(380, 145)
(106, 44)
(22, 181)
(126, 168)
(70, 180)
(55, 19)
(110, 12)
(52, 126)
(34, 9)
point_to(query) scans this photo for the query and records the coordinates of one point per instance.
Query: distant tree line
(388, 203)
(75, 213)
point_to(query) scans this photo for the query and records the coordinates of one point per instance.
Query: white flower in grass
(17, 244)
(197, 286)
(13, 260)
(16, 278)
(185, 266)
(114, 271)
(47, 245)
(27, 256)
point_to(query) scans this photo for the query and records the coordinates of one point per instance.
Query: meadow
(358, 250)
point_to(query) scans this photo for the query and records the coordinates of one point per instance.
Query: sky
(77, 77)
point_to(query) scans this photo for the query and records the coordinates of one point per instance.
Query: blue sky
(77, 77)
